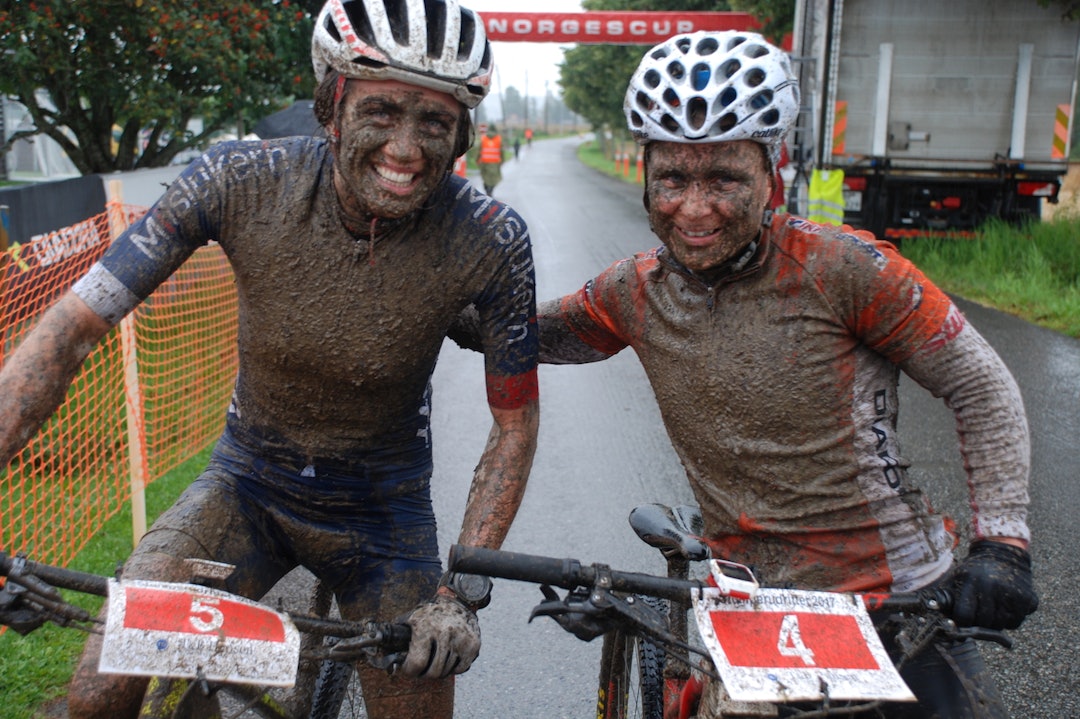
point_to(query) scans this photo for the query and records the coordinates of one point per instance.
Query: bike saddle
(674, 531)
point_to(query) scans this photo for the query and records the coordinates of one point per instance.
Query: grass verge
(1032, 272)
(36, 669)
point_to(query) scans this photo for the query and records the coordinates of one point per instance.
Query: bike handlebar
(57, 576)
(565, 573)
(388, 636)
(570, 574)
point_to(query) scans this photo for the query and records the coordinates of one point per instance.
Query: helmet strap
(339, 94)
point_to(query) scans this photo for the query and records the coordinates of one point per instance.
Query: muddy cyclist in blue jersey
(352, 254)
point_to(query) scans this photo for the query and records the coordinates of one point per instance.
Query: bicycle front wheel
(631, 676)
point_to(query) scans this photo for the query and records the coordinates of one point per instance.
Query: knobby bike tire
(331, 689)
(631, 674)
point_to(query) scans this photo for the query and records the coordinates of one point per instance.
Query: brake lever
(987, 635)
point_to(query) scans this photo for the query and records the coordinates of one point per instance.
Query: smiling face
(396, 143)
(706, 201)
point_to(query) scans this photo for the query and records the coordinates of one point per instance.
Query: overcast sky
(526, 65)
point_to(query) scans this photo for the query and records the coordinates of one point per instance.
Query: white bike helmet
(713, 87)
(432, 43)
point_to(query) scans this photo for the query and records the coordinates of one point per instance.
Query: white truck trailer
(940, 113)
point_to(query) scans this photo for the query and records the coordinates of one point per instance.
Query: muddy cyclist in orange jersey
(774, 347)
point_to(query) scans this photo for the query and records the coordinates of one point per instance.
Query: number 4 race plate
(785, 645)
(185, 631)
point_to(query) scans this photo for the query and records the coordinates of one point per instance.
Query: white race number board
(782, 645)
(185, 631)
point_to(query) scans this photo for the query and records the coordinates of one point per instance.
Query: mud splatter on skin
(706, 201)
(398, 128)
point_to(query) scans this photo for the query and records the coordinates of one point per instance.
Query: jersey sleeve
(895, 309)
(507, 313)
(148, 252)
(597, 321)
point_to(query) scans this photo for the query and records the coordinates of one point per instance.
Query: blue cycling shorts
(364, 525)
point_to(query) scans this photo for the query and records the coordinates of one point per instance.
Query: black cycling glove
(15, 614)
(993, 587)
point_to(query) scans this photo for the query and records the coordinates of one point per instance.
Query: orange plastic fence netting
(166, 373)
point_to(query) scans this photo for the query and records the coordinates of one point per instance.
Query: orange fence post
(132, 395)
(640, 166)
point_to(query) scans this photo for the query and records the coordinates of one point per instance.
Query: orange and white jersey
(778, 385)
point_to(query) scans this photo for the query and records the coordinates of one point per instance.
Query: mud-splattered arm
(499, 480)
(35, 379)
(992, 427)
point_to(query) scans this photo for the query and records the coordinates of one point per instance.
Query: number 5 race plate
(785, 645)
(184, 631)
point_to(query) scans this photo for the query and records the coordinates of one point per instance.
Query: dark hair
(326, 114)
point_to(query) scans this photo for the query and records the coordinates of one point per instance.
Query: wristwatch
(472, 590)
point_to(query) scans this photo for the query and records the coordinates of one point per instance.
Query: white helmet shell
(435, 44)
(713, 87)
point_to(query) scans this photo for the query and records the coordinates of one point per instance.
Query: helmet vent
(754, 77)
(468, 37)
(728, 96)
(761, 100)
(729, 68)
(756, 51)
(652, 79)
(670, 124)
(708, 46)
(436, 27)
(696, 112)
(770, 117)
(726, 122)
(683, 43)
(700, 76)
(676, 71)
(635, 119)
(672, 98)
(398, 15)
(644, 101)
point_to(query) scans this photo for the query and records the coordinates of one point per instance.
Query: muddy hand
(445, 639)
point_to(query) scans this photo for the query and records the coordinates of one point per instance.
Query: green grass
(1032, 272)
(590, 154)
(37, 668)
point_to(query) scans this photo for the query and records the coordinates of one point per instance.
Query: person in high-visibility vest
(490, 158)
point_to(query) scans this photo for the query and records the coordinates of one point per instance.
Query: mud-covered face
(396, 143)
(706, 201)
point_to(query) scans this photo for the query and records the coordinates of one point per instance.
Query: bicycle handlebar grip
(59, 576)
(396, 637)
(565, 573)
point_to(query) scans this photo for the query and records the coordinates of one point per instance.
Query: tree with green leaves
(117, 82)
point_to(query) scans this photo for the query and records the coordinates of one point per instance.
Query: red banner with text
(612, 28)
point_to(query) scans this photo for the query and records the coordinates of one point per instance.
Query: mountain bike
(209, 653)
(759, 652)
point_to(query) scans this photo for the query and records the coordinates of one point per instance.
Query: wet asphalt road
(603, 450)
